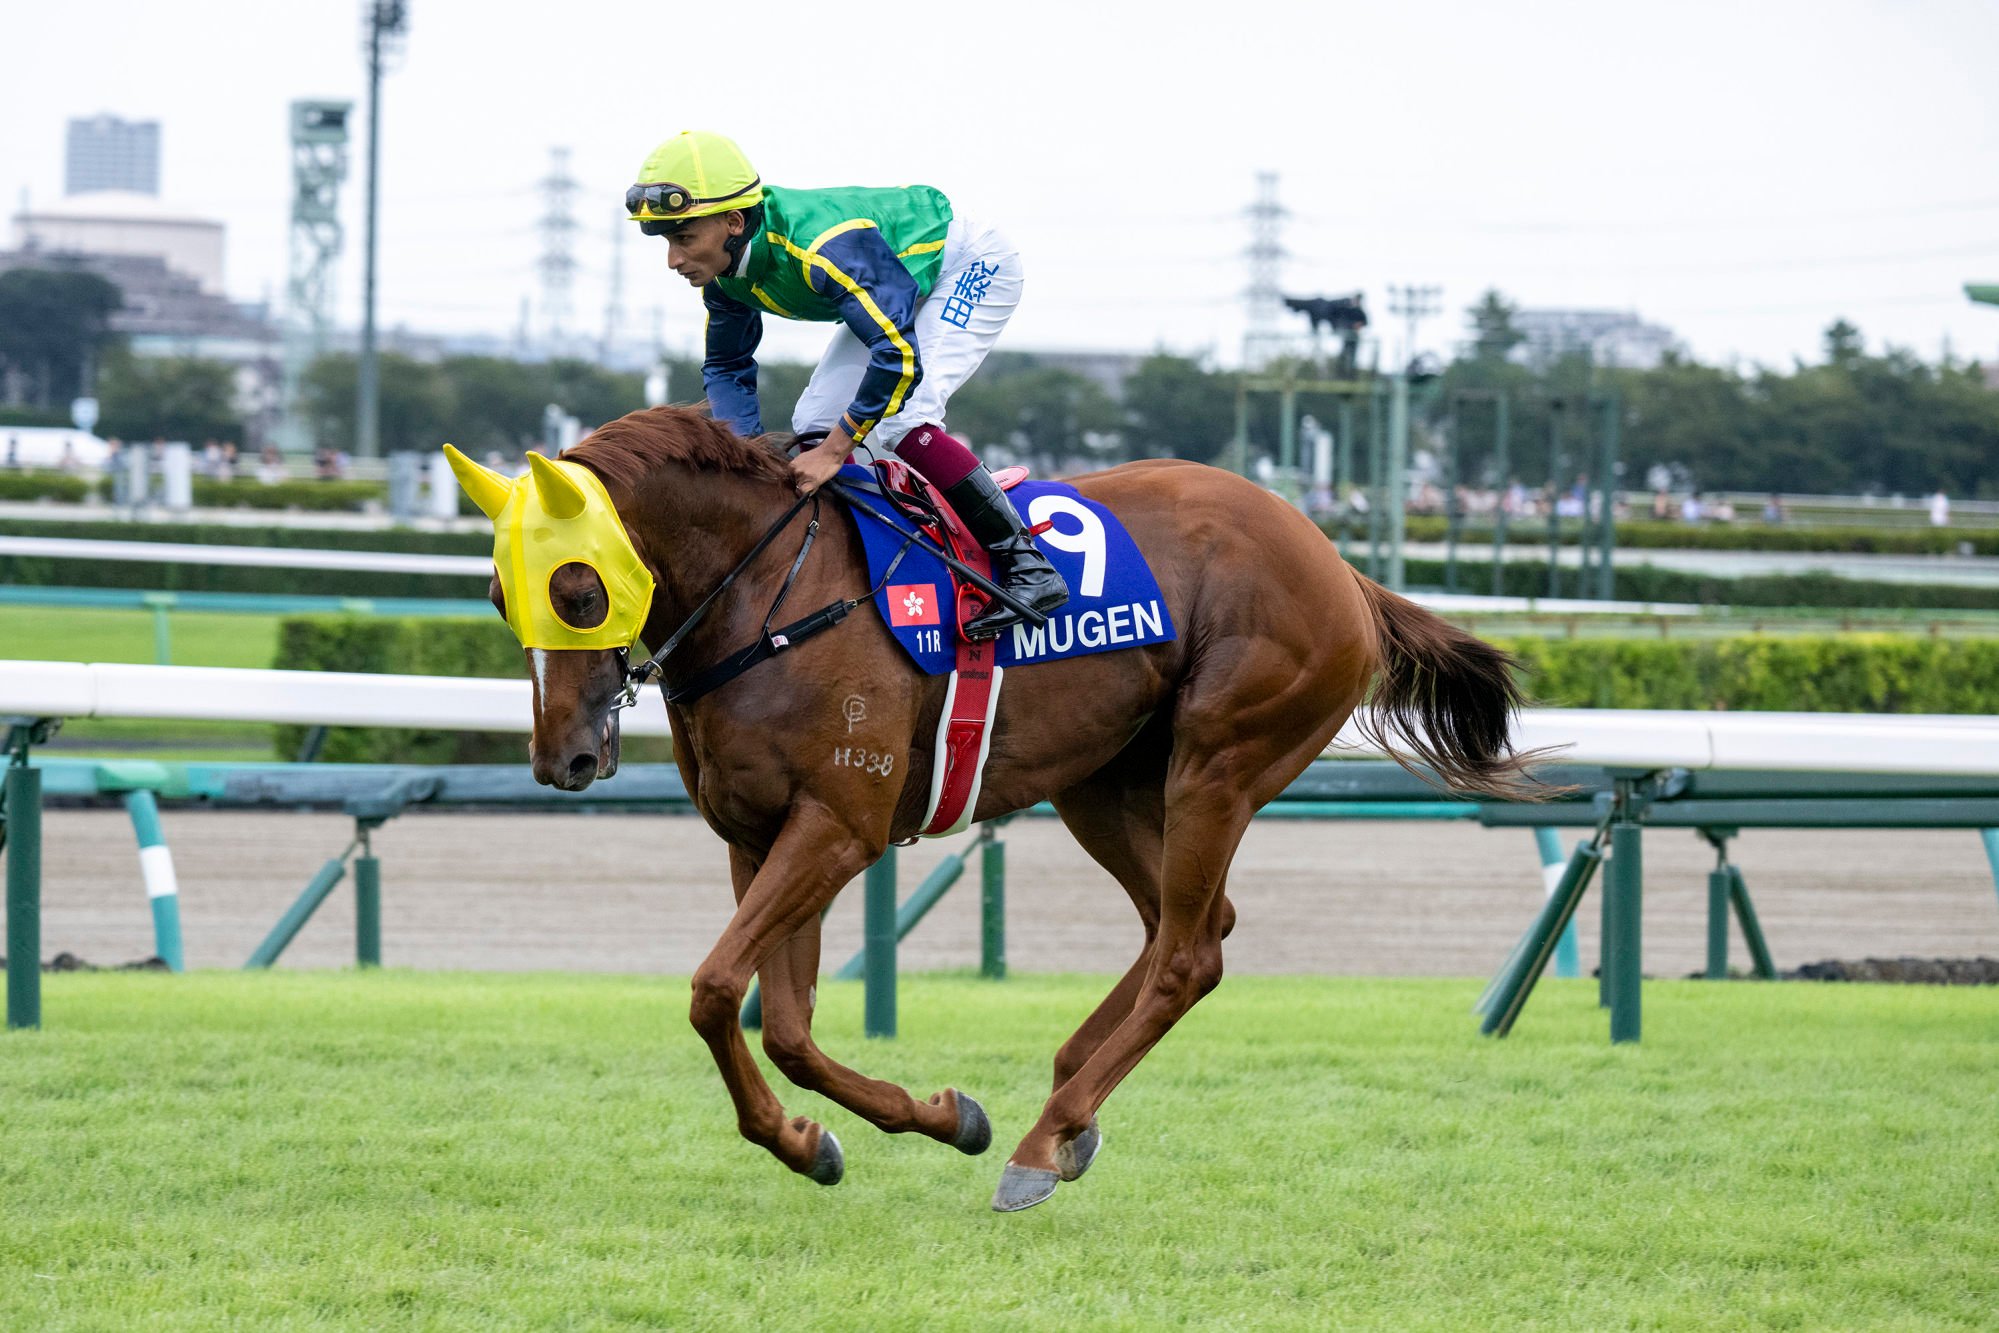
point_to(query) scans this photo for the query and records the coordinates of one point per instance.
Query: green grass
(297, 1150)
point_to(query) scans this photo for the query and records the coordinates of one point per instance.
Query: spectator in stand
(226, 469)
(69, 461)
(1939, 509)
(270, 465)
(325, 465)
(1773, 508)
(1724, 512)
(1691, 508)
(1662, 505)
(13, 451)
(210, 462)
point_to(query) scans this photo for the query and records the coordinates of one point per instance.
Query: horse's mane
(627, 450)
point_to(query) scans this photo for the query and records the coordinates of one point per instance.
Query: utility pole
(387, 21)
(558, 260)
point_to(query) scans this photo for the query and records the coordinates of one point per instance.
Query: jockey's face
(697, 249)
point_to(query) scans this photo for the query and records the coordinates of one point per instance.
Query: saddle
(926, 508)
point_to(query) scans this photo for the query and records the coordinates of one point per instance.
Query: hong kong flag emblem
(912, 604)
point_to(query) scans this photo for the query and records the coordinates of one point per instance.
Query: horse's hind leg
(789, 979)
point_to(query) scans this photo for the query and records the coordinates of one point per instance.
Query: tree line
(1853, 420)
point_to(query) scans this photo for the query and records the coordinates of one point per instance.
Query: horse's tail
(1447, 697)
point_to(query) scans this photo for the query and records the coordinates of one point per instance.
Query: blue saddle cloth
(1114, 600)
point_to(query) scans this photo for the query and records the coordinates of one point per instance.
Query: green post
(1398, 478)
(1377, 489)
(1623, 899)
(1343, 465)
(992, 907)
(156, 868)
(1752, 929)
(1718, 891)
(1568, 956)
(1555, 500)
(878, 935)
(1287, 428)
(1503, 471)
(1606, 573)
(367, 908)
(1241, 444)
(299, 912)
(1451, 516)
(24, 896)
(163, 641)
(1530, 957)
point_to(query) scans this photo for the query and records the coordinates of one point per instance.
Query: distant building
(118, 222)
(1611, 338)
(106, 153)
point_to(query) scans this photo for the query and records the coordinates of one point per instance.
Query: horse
(1154, 757)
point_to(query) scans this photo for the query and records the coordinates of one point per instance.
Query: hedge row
(317, 496)
(440, 647)
(63, 487)
(1648, 534)
(1865, 673)
(1847, 673)
(1649, 583)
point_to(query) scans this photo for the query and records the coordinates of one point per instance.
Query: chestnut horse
(1155, 757)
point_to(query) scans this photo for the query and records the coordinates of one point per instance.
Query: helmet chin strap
(738, 246)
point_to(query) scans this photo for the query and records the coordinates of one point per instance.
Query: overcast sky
(1742, 173)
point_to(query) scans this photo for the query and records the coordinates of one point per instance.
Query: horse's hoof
(1073, 1158)
(1022, 1187)
(831, 1163)
(975, 1132)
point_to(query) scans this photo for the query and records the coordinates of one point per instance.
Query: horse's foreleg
(789, 978)
(812, 860)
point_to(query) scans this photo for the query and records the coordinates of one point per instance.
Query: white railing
(1943, 745)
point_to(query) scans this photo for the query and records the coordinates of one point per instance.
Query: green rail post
(163, 636)
(992, 905)
(367, 906)
(300, 911)
(1568, 955)
(1624, 889)
(878, 936)
(1503, 479)
(1719, 885)
(928, 894)
(1606, 573)
(1523, 969)
(24, 894)
(156, 868)
(1752, 929)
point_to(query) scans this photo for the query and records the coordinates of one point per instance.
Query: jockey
(923, 296)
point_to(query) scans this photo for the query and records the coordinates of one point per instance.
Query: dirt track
(627, 893)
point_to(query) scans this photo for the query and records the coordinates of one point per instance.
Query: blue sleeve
(729, 366)
(877, 299)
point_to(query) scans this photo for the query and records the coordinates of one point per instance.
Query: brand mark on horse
(877, 762)
(854, 709)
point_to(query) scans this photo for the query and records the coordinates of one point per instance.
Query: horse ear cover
(488, 489)
(560, 496)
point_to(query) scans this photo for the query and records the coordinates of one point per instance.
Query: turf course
(301, 1150)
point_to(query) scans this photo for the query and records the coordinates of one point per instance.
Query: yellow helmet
(695, 174)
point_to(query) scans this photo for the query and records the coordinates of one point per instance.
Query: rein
(770, 642)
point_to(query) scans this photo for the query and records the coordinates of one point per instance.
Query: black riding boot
(1018, 565)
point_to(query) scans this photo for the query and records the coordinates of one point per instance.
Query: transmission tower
(614, 300)
(319, 165)
(558, 259)
(1262, 340)
(1414, 304)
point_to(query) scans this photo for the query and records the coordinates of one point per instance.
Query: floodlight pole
(386, 18)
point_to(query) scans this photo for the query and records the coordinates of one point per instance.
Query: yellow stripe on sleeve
(807, 259)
